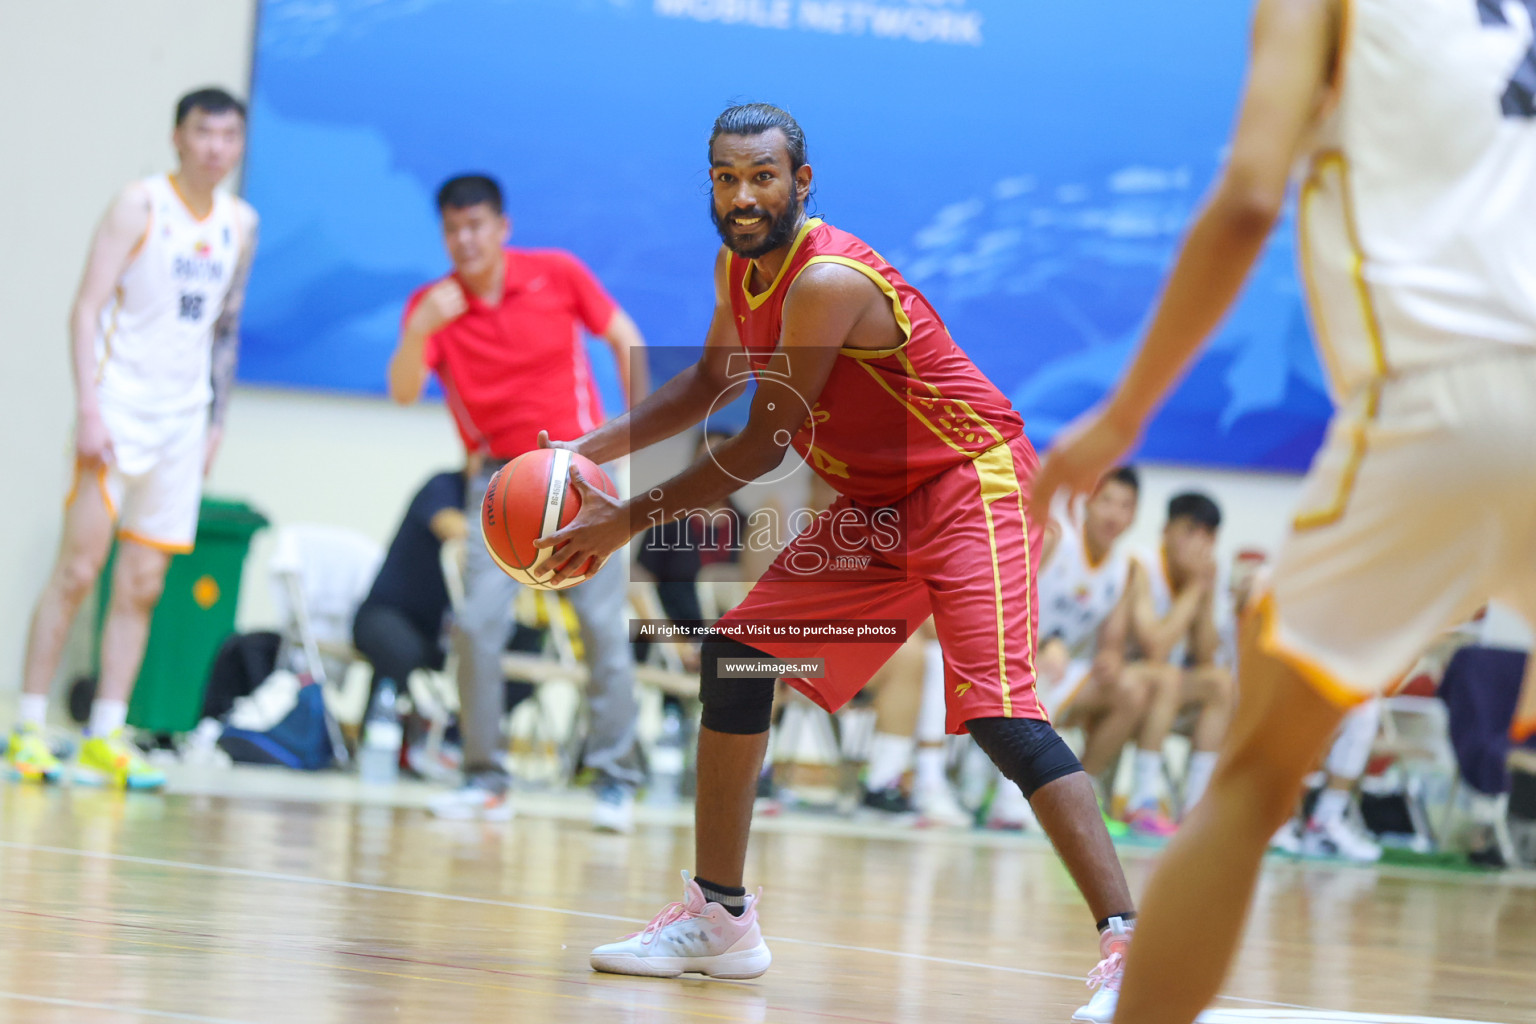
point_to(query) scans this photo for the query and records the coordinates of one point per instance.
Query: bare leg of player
(137, 580)
(728, 766)
(1193, 911)
(1165, 696)
(82, 552)
(1213, 688)
(1125, 706)
(1068, 811)
(898, 691)
(106, 757)
(1164, 685)
(713, 930)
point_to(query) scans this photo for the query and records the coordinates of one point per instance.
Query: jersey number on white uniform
(1519, 99)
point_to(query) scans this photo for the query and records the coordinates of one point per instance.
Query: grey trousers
(480, 637)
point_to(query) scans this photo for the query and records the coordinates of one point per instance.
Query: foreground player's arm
(441, 304)
(624, 338)
(1294, 42)
(822, 306)
(117, 241)
(226, 335)
(1157, 637)
(675, 406)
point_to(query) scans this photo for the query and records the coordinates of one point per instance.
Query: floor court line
(276, 876)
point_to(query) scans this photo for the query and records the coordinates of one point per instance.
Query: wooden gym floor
(252, 896)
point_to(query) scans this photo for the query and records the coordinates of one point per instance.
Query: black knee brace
(738, 705)
(1025, 750)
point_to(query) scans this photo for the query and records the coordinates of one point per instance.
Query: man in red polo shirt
(505, 334)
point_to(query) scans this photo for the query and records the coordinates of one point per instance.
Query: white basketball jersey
(157, 330)
(1416, 224)
(1076, 595)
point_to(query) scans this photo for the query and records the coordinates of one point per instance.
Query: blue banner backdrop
(1030, 166)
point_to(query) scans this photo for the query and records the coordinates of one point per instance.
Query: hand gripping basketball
(528, 500)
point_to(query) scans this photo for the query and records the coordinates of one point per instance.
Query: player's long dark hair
(756, 118)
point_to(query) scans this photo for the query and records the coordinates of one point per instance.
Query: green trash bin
(195, 615)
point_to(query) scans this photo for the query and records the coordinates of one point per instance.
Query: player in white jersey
(1414, 122)
(1177, 607)
(154, 337)
(1084, 581)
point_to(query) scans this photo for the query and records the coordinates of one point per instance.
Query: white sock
(931, 710)
(1147, 780)
(107, 716)
(889, 756)
(34, 709)
(1351, 750)
(1330, 807)
(1197, 776)
(929, 768)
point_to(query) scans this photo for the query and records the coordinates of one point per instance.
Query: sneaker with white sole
(694, 936)
(1288, 839)
(1106, 977)
(482, 797)
(614, 810)
(1338, 840)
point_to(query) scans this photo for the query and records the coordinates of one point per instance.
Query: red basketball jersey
(887, 420)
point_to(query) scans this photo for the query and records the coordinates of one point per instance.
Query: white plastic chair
(320, 574)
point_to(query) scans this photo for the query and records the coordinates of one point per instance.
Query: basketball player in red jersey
(858, 374)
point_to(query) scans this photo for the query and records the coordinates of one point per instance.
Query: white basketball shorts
(154, 487)
(1418, 509)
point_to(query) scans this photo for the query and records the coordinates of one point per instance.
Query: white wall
(88, 89)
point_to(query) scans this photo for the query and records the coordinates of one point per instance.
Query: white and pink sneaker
(1105, 978)
(694, 936)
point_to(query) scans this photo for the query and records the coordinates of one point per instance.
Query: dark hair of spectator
(1124, 475)
(1197, 508)
(757, 118)
(211, 100)
(468, 190)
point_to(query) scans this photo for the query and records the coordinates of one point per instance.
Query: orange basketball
(531, 497)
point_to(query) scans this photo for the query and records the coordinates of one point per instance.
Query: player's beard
(781, 229)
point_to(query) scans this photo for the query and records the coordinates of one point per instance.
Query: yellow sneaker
(28, 757)
(112, 761)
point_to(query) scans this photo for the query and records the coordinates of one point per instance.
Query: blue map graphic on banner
(1030, 166)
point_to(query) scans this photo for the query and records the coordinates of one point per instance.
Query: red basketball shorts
(960, 548)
